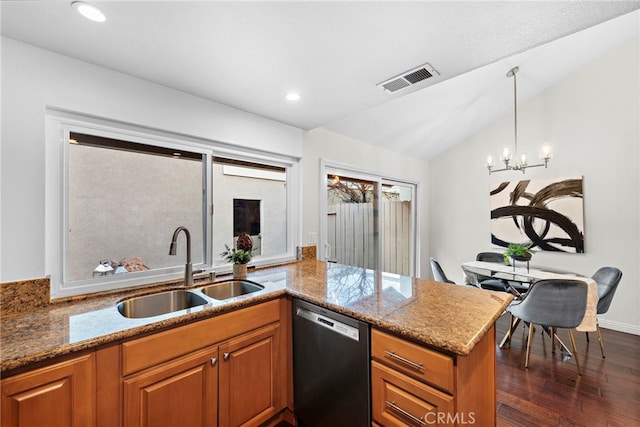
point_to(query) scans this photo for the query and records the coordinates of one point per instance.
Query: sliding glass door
(352, 212)
(368, 221)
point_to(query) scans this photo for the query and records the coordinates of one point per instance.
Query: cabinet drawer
(398, 400)
(148, 351)
(417, 362)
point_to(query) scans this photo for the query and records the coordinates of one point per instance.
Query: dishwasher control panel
(329, 323)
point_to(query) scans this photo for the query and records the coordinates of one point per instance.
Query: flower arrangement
(241, 254)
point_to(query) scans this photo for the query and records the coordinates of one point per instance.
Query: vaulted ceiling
(249, 55)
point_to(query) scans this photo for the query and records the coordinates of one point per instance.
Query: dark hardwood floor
(551, 393)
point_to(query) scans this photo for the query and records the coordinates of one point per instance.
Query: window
(125, 199)
(250, 197)
(116, 193)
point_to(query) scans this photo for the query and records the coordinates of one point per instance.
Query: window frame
(60, 123)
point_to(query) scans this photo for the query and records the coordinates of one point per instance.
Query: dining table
(526, 276)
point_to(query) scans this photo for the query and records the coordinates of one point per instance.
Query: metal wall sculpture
(547, 213)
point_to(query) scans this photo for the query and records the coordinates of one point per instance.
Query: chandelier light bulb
(545, 152)
(506, 154)
(523, 159)
(490, 162)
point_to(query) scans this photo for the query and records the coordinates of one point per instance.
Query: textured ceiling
(250, 54)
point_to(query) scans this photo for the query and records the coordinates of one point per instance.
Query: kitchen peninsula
(447, 330)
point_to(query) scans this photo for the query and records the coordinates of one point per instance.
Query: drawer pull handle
(214, 361)
(395, 407)
(414, 365)
(225, 356)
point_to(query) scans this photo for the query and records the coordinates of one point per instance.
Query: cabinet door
(398, 400)
(182, 392)
(62, 394)
(250, 377)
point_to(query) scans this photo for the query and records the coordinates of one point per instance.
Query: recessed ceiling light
(293, 96)
(89, 11)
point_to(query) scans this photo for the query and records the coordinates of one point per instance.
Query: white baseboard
(621, 327)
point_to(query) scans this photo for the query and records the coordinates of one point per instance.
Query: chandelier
(521, 162)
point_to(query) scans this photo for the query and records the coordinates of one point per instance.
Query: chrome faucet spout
(188, 268)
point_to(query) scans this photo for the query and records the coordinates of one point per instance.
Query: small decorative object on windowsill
(516, 252)
(239, 256)
(103, 268)
(120, 269)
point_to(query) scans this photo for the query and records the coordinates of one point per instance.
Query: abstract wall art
(547, 213)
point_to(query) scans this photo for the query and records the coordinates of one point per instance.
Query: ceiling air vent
(408, 78)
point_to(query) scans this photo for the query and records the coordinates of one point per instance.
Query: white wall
(33, 79)
(592, 119)
(322, 144)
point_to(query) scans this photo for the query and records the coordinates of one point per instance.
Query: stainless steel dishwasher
(331, 368)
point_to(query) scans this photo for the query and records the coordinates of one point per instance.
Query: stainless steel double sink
(181, 299)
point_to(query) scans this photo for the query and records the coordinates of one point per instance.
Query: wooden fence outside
(350, 232)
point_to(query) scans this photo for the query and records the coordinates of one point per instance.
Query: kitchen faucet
(188, 269)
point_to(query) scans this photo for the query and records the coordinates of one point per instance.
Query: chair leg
(529, 341)
(600, 339)
(512, 327)
(575, 351)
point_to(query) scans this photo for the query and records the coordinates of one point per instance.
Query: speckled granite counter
(448, 317)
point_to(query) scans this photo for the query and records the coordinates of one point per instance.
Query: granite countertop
(447, 317)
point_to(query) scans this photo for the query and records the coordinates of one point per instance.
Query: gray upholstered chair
(491, 283)
(438, 272)
(607, 279)
(552, 303)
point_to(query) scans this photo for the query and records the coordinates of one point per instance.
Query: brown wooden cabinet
(250, 379)
(226, 371)
(399, 400)
(414, 386)
(182, 392)
(235, 369)
(61, 394)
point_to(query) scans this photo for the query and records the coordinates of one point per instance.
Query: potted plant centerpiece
(517, 252)
(240, 255)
